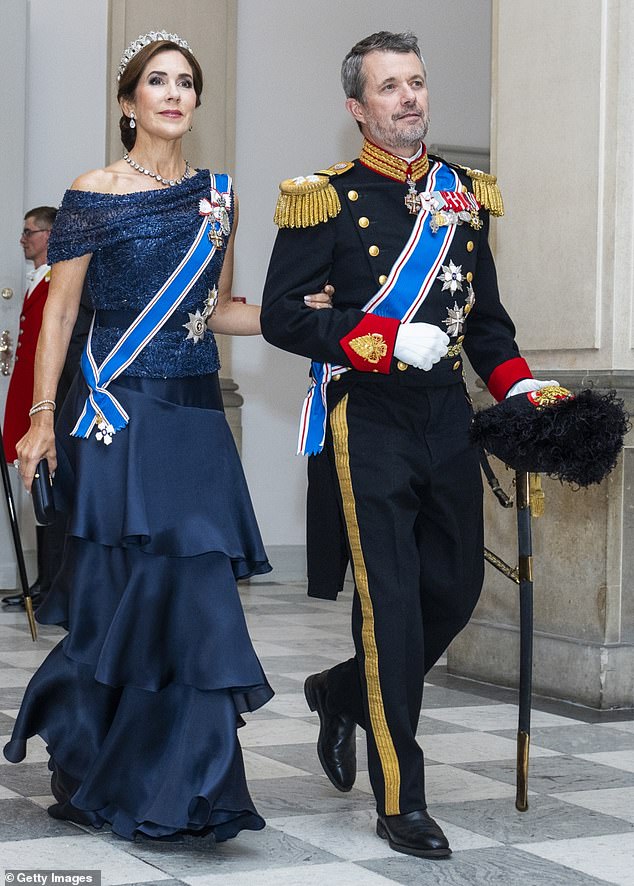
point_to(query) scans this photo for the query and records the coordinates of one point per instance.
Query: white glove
(420, 344)
(530, 384)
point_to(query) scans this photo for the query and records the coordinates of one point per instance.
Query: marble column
(563, 150)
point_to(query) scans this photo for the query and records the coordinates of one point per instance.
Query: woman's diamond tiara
(143, 40)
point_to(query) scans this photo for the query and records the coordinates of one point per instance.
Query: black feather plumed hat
(575, 438)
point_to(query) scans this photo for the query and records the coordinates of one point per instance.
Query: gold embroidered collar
(393, 167)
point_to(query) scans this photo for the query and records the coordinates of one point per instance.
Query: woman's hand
(319, 300)
(37, 443)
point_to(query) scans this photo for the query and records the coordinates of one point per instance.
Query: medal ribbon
(406, 288)
(100, 402)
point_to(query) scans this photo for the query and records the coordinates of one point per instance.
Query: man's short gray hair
(352, 77)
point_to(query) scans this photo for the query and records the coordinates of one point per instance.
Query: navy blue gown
(139, 704)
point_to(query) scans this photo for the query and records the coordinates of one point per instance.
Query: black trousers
(411, 497)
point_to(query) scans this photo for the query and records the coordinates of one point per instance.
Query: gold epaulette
(308, 200)
(486, 190)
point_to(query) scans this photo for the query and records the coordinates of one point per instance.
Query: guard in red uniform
(403, 238)
(34, 241)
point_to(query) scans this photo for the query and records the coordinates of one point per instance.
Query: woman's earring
(132, 120)
(190, 128)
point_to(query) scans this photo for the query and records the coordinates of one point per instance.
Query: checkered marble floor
(578, 830)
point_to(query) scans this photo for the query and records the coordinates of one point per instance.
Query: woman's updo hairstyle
(132, 74)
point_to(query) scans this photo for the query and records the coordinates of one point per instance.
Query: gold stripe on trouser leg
(380, 730)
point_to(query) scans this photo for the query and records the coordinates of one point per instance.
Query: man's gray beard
(397, 139)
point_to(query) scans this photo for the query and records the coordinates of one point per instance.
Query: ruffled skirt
(139, 704)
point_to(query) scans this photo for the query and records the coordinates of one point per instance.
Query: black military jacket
(354, 251)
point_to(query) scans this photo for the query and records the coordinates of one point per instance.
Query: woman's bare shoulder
(113, 179)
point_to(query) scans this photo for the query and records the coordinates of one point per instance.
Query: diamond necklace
(170, 182)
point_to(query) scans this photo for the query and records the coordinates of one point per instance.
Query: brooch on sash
(197, 324)
(216, 209)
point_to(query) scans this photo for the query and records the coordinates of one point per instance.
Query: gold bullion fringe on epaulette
(486, 191)
(305, 202)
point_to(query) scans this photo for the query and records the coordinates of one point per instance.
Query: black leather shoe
(336, 747)
(414, 833)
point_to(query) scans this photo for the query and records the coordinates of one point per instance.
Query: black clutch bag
(42, 494)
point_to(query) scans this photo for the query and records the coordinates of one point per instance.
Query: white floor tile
(44, 801)
(257, 766)
(10, 626)
(265, 649)
(80, 853)
(350, 835)
(618, 802)
(300, 676)
(468, 747)
(290, 704)
(279, 633)
(461, 840)
(609, 858)
(311, 619)
(10, 677)
(276, 732)
(32, 658)
(491, 718)
(446, 784)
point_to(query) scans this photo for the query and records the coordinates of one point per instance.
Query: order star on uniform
(403, 238)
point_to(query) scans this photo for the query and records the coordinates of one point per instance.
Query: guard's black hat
(574, 437)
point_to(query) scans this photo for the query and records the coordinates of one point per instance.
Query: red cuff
(506, 374)
(370, 345)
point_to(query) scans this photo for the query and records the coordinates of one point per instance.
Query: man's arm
(301, 263)
(490, 341)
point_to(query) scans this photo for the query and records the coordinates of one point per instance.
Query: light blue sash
(101, 407)
(407, 285)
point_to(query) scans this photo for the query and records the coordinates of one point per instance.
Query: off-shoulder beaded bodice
(136, 241)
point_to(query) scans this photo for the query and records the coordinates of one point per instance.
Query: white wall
(291, 120)
(66, 95)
